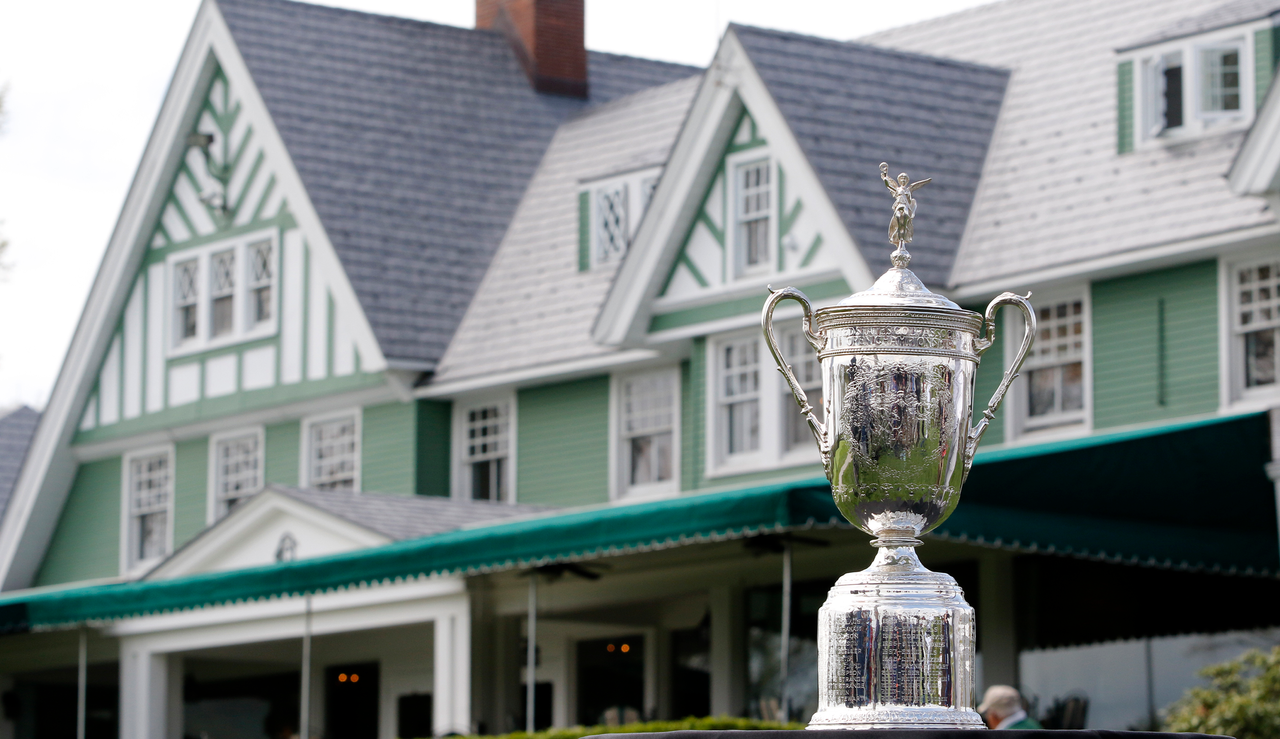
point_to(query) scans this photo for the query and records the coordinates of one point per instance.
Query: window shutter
(1124, 107)
(1265, 48)
(584, 231)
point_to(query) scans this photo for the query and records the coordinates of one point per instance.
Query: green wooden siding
(1265, 49)
(990, 372)
(281, 453)
(190, 489)
(836, 288)
(86, 541)
(563, 443)
(435, 424)
(693, 400)
(1124, 107)
(388, 446)
(584, 231)
(1134, 381)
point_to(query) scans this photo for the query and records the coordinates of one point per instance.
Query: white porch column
(996, 621)
(150, 693)
(728, 663)
(451, 699)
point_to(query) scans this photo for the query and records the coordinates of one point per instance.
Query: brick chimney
(547, 37)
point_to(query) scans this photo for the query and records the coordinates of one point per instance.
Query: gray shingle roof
(415, 142)
(852, 106)
(1223, 16)
(1055, 191)
(406, 517)
(16, 431)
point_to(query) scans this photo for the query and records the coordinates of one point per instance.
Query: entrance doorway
(611, 680)
(351, 701)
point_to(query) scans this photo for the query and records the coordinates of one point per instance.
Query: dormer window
(609, 212)
(1220, 85)
(1167, 78)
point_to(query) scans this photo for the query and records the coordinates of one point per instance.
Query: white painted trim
(240, 300)
(1257, 162)
(130, 569)
(774, 393)
(619, 489)
(558, 371)
(1015, 402)
(304, 443)
(1232, 394)
(47, 475)
(226, 532)
(460, 477)
(730, 84)
(747, 287)
(731, 237)
(634, 180)
(1143, 259)
(211, 494)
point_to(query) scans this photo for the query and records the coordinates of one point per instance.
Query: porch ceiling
(1152, 497)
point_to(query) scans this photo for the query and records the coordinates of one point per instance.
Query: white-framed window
(615, 206)
(235, 469)
(752, 213)
(331, 451)
(147, 523)
(754, 423)
(1254, 320)
(223, 293)
(648, 435)
(1195, 85)
(804, 363)
(486, 451)
(1052, 394)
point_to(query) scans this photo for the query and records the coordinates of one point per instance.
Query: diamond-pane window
(222, 287)
(612, 225)
(237, 470)
(739, 370)
(1256, 320)
(260, 282)
(753, 206)
(648, 421)
(186, 295)
(1055, 366)
(150, 489)
(334, 452)
(488, 433)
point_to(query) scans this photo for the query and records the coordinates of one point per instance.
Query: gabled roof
(852, 106)
(406, 517)
(1224, 16)
(534, 295)
(1054, 192)
(17, 427)
(415, 142)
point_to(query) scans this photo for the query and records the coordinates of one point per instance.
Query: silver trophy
(896, 641)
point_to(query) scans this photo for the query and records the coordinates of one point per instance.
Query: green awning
(1192, 496)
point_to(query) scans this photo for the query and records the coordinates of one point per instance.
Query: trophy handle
(817, 341)
(984, 342)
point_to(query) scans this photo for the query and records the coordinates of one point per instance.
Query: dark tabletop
(899, 734)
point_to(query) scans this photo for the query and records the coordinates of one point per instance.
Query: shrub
(720, 723)
(1242, 699)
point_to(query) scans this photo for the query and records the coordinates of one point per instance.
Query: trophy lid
(899, 287)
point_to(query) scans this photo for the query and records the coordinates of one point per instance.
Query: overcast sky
(85, 79)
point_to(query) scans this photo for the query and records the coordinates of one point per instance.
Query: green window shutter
(584, 231)
(1124, 107)
(1264, 63)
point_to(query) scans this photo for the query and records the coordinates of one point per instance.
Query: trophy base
(896, 647)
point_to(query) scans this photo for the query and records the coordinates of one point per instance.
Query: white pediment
(255, 533)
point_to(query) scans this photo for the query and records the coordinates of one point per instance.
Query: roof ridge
(864, 46)
(336, 10)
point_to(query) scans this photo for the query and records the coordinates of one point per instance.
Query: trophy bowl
(898, 366)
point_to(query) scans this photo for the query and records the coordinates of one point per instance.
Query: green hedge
(711, 722)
